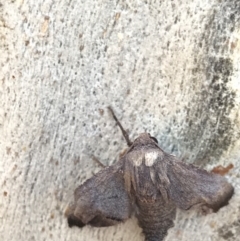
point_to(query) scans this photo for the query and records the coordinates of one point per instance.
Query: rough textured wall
(167, 67)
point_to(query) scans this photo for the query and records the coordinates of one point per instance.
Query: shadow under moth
(149, 183)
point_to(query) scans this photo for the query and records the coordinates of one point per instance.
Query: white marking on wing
(136, 158)
(150, 158)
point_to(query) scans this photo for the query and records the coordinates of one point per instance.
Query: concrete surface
(167, 67)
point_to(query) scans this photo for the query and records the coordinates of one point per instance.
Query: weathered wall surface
(168, 67)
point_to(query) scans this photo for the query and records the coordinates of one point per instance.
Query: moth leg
(98, 162)
(125, 134)
(155, 218)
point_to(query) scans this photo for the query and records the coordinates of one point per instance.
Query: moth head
(145, 139)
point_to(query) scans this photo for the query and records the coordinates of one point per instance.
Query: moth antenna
(125, 134)
(97, 161)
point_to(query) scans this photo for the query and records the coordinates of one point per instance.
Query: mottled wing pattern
(151, 182)
(187, 185)
(154, 214)
(101, 201)
(159, 182)
(139, 173)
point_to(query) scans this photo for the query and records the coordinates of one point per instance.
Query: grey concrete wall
(167, 67)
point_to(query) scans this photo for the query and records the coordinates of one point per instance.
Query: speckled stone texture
(167, 67)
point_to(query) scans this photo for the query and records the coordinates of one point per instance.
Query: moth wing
(101, 201)
(187, 185)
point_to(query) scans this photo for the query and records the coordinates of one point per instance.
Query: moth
(149, 183)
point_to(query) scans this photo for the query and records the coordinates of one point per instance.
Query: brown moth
(147, 182)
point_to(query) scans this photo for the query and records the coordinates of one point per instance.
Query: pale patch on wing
(150, 158)
(136, 158)
(152, 175)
